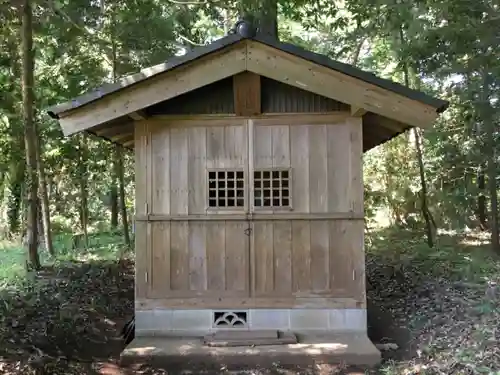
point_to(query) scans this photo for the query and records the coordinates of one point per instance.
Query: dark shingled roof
(231, 39)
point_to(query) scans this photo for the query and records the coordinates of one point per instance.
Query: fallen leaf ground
(440, 306)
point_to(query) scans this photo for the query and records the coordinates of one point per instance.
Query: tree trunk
(121, 183)
(481, 199)
(429, 220)
(423, 199)
(486, 115)
(16, 189)
(17, 169)
(82, 182)
(44, 197)
(30, 134)
(113, 197)
(263, 14)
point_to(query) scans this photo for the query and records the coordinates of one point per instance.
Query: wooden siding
(193, 258)
(181, 156)
(325, 162)
(214, 98)
(308, 258)
(279, 97)
(218, 98)
(312, 251)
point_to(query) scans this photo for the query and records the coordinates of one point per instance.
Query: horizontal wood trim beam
(336, 117)
(248, 303)
(200, 72)
(165, 293)
(254, 217)
(307, 75)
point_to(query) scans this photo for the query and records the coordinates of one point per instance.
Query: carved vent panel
(226, 189)
(272, 188)
(230, 319)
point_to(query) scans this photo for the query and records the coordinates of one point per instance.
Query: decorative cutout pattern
(226, 189)
(272, 188)
(230, 319)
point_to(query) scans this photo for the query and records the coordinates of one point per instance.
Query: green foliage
(103, 246)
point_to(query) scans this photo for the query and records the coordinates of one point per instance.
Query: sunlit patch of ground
(441, 306)
(447, 297)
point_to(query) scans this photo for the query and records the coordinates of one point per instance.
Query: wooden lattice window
(271, 188)
(226, 188)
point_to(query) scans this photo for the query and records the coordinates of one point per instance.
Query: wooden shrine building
(249, 188)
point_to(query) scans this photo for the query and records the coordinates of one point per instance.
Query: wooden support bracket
(357, 111)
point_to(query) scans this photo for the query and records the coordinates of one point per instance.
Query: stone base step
(249, 338)
(177, 353)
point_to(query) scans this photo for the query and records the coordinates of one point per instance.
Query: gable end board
(185, 78)
(290, 69)
(65, 109)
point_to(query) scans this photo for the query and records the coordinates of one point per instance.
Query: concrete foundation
(176, 353)
(198, 322)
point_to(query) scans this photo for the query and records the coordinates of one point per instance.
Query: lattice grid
(272, 188)
(226, 189)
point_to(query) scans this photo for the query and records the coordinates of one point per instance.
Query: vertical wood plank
(341, 267)
(281, 145)
(141, 259)
(299, 141)
(216, 254)
(283, 256)
(320, 255)
(318, 171)
(179, 171)
(215, 147)
(160, 145)
(197, 152)
(249, 201)
(263, 146)
(263, 243)
(356, 237)
(301, 255)
(197, 256)
(339, 176)
(160, 257)
(179, 258)
(140, 136)
(236, 256)
(356, 201)
(235, 146)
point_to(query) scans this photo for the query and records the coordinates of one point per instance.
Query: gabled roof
(388, 108)
(228, 40)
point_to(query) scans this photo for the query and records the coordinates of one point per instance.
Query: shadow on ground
(69, 321)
